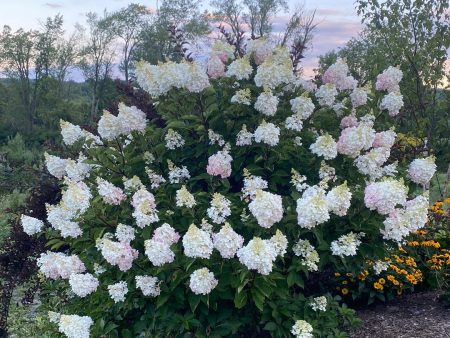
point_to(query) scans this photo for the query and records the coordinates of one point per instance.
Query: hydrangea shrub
(227, 221)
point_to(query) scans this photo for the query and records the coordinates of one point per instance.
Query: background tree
(128, 24)
(97, 57)
(258, 15)
(155, 42)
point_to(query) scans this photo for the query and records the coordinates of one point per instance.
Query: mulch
(418, 315)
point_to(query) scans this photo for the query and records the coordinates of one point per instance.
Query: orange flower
(344, 291)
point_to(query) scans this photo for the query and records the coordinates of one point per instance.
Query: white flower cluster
(251, 185)
(219, 209)
(129, 119)
(173, 139)
(312, 208)
(326, 94)
(385, 195)
(56, 265)
(324, 146)
(267, 103)
(184, 198)
(303, 106)
(240, 68)
(215, 138)
(144, 204)
(83, 284)
(149, 285)
(118, 291)
(303, 248)
(294, 122)
(155, 179)
(267, 208)
(392, 102)
(267, 133)
(279, 242)
(125, 233)
(380, 266)
(157, 80)
(302, 329)
(421, 170)
(244, 137)
(74, 326)
(109, 192)
(346, 245)
(31, 225)
(177, 174)
(197, 243)
(298, 181)
(227, 241)
(319, 303)
(402, 221)
(358, 97)
(371, 163)
(275, 70)
(258, 255)
(338, 199)
(55, 165)
(202, 281)
(242, 96)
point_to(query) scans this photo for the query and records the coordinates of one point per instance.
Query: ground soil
(419, 315)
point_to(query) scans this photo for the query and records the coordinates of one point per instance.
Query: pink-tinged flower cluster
(421, 170)
(215, 66)
(144, 204)
(55, 265)
(389, 80)
(109, 192)
(267, 208)
(355, 139)
(219, 164)
(275, 70)
(260, 48)
(337, 74)
(227, 241)
(158, 249)
(384, 139)
(385, 195)
(119, 254)
(348, 121)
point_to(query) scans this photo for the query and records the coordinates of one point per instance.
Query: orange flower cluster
(440, 260)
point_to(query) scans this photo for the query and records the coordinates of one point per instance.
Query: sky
(337, 19)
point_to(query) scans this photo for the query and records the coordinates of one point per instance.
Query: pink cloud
(53, 5)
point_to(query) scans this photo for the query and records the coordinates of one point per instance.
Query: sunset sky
(337, 19)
